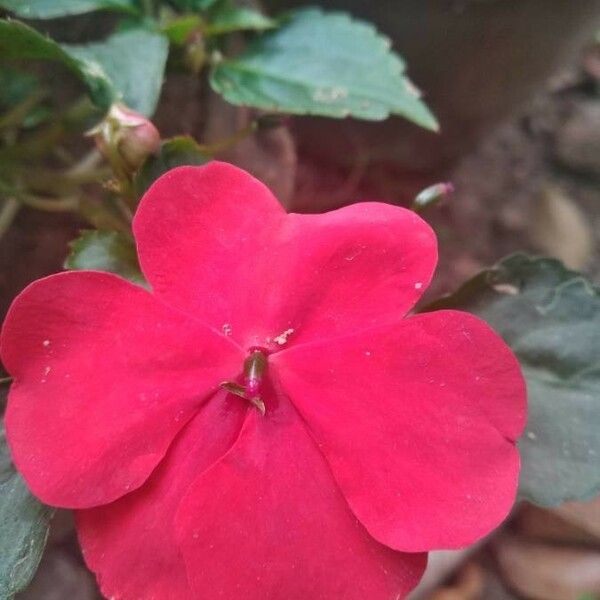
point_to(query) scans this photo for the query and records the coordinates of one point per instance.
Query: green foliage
(15, 86)
(195, 5)
(550, 316)
(22, 100)
(127, 66)
(178, 151)
(226, 18)
(134, 62)
(19, 41)
(109, 251)
(23, 528)
(322, 64)
(49, 9)
(179, 29)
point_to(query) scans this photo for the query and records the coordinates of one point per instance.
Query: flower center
(255, 367)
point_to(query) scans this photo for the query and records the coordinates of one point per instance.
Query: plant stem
(68, 204)
(124, 210)
(148, 7)
(89, 162)
(15, 116)
(232, 140)
(8, 212)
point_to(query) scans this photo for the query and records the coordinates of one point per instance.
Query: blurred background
(516, 87)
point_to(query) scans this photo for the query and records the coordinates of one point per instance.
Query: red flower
(383, 437)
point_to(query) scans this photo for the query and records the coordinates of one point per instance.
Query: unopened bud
(432, 195)
(195, 52)
(126, 138)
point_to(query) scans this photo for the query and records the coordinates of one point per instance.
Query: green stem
(15, 116)
(8, 212)
(89, 162)
(68, 204)
(35, 145)
(49, 182)
(148, 8)
(232, 140)
(124, 210)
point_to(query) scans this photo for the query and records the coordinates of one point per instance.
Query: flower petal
(104, 378)
(349, 269)
(129, 567)
(418, 422)
(243, 265)
(268, 521)
(200, 232)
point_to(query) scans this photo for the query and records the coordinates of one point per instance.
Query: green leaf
(176, 152)
(550, 317)
(49, 9)
(109, 251)
(322, 64)
(127, 66)
(194, 5)
(19, 41)
(226, 18)
(15, 86)
(133, 61)
(23, 527)
(222, 18)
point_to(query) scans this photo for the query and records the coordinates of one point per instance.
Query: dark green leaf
(178, 151)
(226, 18)
(19, 41)
(49, 9)
(133, 61)
(109, 251)
(127, 66)
(15, 86)
(550, 316)
(195, 5)
(322, 64)
(23, 527)
(22, 100)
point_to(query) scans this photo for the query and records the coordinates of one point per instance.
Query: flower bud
(126, 138)
(195, 52)
(432, 195)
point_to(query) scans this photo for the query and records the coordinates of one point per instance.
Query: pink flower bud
(126, 137)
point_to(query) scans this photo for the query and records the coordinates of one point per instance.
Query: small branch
(8, 212)
(148, 7)
(125, 211)
(71, 203)
(88, 163)
(16, 116)
(230, 141)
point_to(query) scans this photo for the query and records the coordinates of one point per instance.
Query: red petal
(268, 522)
(418, 422)
(242, 265)
(200, 232)
(105, 377)
(130, 544)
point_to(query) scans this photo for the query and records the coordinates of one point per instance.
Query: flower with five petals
(267, 422)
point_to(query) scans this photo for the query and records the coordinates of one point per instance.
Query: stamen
(254, 369)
